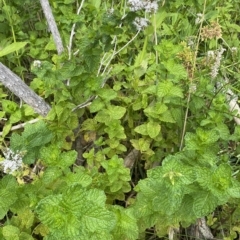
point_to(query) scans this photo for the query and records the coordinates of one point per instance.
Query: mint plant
(150, 85)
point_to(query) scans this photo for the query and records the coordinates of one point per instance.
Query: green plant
(159, 80)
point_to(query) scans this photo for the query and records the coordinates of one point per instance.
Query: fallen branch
(233, 105)
(200, 230)
(131, 158)
(232, 100)
(52, 25)
(15, 84)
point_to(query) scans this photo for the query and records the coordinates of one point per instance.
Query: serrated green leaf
(166, 88)
(151, 90)
(174, 171)
(41, 229)
(234, 191)
(96, 105)
(142, 129)
(141, 144)
(50, 45)
(26, 218)
(25, 236)
(51, 174)
(223, 131)
(13, 47)
(156, 110)
(96, 219)
(16, 116)
(9, 106)
(97, 196)
(89, 124)
(10, 232)
(52, 156)
(204, 176)
(67, 158)
(138, 104)
(51, 213)
(8, 196)
(76, 210)
(115, 130)
(175, 69)
(107, 94)
(102, 117)
(222, 177)
(153, 129)
(191, 141)
(126, 227)
(79, 177)
(185, 212)
(204, 203)
(207, 137)
(116, 112)
(168, 201)
(32, 139)
(147, 188)
(167, 117)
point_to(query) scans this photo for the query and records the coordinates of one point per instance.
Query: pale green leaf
(177, 70)
(97, 196)
(67, 158)
(223, 131)
(169, 200)
(102, 117)
(116, 112)
(96, 3)
(107, 94)
(204, 203)
(52, 156)
(6, 129)
(25, 236)
(150, 90)
(76, 211)
(51, 174)
(126, 227)
(141, 144)
(50, 45)
(234, 26)
(26, 217)
(79, 177)
(153, 129)
(8, 186)
(167, 117)
(234, 191)
(97, 219)
(12, 48)
(207, 137)
(166, 88)
(10, 232)
(96, 105)
(156, 110)
(142, 129)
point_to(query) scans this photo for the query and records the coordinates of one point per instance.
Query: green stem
(191, 79)
(13, 35)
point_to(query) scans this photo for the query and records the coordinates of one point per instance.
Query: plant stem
(191, 79)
